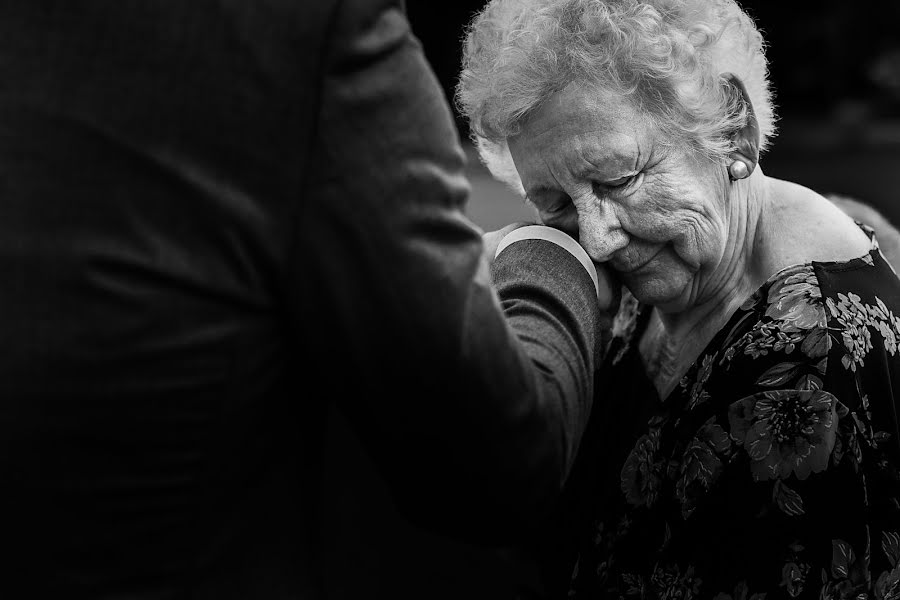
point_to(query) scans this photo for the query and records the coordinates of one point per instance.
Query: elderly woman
(744, 438)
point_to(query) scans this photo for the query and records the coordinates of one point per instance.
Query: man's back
(152, 156)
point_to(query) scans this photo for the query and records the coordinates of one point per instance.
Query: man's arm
(473, 418)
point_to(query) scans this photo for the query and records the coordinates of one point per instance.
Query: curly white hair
(668, 57)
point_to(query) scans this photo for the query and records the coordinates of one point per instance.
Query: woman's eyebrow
(610, 164)
(592, 171)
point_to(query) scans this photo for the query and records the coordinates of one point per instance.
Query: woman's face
(593, 166)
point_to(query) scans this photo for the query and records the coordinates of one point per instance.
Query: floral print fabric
(773, 469)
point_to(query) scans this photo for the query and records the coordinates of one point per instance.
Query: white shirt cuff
(542, 232)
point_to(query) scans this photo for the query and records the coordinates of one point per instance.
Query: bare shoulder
(805, 226)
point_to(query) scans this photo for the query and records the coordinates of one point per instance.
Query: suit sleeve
(472, 417)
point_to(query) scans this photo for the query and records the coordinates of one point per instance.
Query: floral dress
(771, 471)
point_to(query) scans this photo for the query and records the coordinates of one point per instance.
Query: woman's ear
(745, 157)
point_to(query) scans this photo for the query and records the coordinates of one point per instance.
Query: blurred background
(835, 66)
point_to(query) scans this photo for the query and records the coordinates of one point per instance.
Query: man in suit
(217, 219)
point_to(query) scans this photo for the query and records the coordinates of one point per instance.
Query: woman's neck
(668, 352)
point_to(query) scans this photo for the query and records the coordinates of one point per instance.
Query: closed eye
(621, 183)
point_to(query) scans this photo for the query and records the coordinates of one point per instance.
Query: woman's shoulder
(813, 324)
(802, 226)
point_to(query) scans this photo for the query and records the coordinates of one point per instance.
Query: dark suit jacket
(217, 219)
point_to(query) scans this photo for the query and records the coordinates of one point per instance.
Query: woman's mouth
(626, 265)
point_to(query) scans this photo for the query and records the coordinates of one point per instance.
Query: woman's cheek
(701, 242)
(652, 213)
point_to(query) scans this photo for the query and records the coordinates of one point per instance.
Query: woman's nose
(600, 232)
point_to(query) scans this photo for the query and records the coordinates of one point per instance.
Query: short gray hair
(668, 56)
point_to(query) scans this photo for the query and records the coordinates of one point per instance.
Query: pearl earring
(738, 170)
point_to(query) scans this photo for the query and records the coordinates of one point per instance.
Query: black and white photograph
(449, 300)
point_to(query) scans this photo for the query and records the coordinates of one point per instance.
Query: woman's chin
(669, 295)
(665, 282)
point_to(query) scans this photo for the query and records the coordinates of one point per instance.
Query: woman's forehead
(584, 108)
(585, 128)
